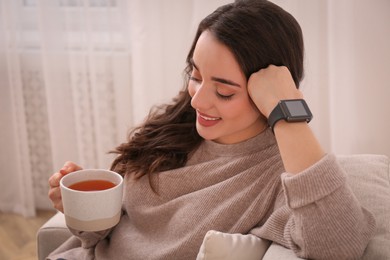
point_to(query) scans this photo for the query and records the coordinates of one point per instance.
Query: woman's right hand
(54, 182)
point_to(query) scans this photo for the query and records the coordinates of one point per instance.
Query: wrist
(271, 103)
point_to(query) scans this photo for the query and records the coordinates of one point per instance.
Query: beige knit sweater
(240, 188)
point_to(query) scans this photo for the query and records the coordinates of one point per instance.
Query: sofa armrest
(51, 235)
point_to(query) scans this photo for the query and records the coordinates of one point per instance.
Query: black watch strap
(290, 110)
(276, 115)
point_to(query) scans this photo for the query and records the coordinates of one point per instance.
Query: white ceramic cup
(92, 210)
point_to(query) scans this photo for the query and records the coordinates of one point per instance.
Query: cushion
(223, 246)
(278, 252)
(368, 177)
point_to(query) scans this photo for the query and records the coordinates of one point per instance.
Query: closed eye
(224, 97)
(192, 78)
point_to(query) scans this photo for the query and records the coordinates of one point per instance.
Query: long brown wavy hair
(258, 33)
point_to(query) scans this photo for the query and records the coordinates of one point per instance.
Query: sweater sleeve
(89, 239)
(318, 216)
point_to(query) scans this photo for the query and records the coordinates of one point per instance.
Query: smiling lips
(206, 120)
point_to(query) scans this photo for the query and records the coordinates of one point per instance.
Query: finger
(56, 199)
(54, 194)
(54, 180)
(69, 167)
(59, 207)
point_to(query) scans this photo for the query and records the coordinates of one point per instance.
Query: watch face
(296, 110)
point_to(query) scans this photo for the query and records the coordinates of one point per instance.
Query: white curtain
(347, 71)
(75, 75)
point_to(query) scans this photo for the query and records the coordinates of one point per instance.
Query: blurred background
(75, 75)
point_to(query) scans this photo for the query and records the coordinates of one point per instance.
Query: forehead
(211, 52)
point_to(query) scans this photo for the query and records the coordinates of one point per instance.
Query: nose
(201, 97)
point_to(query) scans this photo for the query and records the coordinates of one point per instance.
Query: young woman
(223, 157)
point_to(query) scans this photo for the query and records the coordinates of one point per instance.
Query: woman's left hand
(268, 86)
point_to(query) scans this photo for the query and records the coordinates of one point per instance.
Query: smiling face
(218, 88)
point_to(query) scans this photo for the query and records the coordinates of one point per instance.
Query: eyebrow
(225, 81)
(217, 79)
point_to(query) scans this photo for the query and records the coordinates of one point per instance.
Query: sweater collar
(255, 144)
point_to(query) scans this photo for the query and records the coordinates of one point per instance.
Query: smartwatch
(290, 110)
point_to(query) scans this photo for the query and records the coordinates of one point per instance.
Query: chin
(205, 134)
(206, 137)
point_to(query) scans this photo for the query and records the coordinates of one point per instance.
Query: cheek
(191, 89)
(241, 110)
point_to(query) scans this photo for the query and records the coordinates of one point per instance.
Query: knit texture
(239, 188)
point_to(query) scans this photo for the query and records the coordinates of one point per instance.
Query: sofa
(368, 175)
